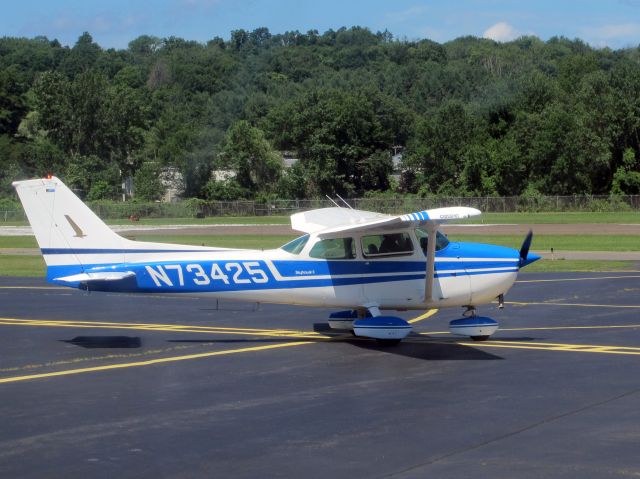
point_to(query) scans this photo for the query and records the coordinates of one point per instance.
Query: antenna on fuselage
(329, 198)
(344, 201)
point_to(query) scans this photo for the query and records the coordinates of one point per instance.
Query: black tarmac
(132, 386)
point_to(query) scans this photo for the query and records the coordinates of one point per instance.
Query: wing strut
(432, 230)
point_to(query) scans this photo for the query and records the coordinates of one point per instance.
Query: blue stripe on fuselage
(317, 268)
(337, 268)
(175, 277)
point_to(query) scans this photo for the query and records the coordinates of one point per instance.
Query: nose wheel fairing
(478, 328)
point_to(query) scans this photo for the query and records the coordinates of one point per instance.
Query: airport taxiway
(116, 385)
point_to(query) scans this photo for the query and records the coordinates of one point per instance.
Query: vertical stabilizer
(65, 228)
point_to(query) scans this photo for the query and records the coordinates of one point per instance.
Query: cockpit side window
(334, 248)
(423, 238)
(297, 245)
(391, 244)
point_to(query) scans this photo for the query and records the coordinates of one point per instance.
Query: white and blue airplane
(362, 261)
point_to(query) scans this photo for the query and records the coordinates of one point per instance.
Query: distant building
(289, 158)
(396, 159)
(397, 162)
(127, 188)
(173, 183)
(223, 175)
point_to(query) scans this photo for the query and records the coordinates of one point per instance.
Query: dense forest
(470, 116)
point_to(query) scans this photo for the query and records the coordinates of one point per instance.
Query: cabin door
(393, 270)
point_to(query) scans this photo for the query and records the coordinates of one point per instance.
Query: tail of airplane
(77, 246)
(63, 225)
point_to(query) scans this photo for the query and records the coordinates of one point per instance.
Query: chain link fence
(488, 204)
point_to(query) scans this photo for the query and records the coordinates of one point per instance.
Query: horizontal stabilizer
(94, 277)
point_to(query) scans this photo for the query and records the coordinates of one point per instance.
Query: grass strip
(569, 217)
(26, 266)
(226, 241)
(564, 217)
(566, 266)
(558, 242)
(540, 242)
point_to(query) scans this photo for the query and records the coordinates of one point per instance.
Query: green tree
(475, 116)
(626, 180)
(12, 100)
(147, 185)
(258, 166)
(82, 57)
(227, 190)
(337, 135)
(440, 144)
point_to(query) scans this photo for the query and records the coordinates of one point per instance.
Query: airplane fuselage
(464, 273)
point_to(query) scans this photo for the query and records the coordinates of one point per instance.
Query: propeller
(524, 249)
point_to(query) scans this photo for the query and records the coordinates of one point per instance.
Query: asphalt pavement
(115, 385)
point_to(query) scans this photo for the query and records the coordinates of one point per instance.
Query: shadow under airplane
(92, 342)
(414, 346)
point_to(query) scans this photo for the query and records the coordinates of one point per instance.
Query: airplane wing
(335, 220)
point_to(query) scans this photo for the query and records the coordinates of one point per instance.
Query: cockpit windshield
(296, 246)
(423, 238)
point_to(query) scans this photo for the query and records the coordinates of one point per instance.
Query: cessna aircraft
(359, 260)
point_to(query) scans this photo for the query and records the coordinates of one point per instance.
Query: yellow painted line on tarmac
(549, 328)
(573, 279)
(75, 361)
(162, 327)
(576, 348)
(144, 325)
(552, 328)
(179, 328)
(581, 305)
(426, 315)
(166, 328)
(149, 362)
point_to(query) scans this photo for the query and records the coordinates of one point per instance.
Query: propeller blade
(524, 249)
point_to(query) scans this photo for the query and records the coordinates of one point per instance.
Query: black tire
(385, 343)
(479, 338)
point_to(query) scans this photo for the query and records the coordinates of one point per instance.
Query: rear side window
(334, 248)
(296, 246)
(392, 244)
